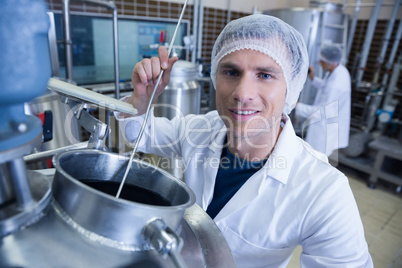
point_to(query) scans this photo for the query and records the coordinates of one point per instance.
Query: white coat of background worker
(265, 188)
(328, 118)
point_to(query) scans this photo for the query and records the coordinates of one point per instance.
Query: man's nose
(245, 89)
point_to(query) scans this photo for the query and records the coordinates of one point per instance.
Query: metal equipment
(25, 62)
(320, 25)
(85, 225)
(181, 97)
(79, 223)
(62, 132)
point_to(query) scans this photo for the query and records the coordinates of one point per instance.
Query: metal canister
(183, 93)
(181, 97)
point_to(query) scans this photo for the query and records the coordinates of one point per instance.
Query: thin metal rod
(149, 106)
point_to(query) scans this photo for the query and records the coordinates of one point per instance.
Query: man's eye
(230, 72)
(265, 76)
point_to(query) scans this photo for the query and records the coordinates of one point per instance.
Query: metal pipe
(22, 191)
(200, 25)
(369, 4)
(195, 31)
(68, 43)
(69, 61)
(33, 158)
(352, 29)
(5, 186)
(229, 11)
(116, 54)
(67, 40)
(392, 83)
(367, 41)
(387, 36)
(393, 53)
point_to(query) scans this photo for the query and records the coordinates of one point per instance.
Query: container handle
(165, 241)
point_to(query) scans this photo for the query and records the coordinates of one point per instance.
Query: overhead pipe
(195, 31)
(367, 41)
(228, 19)
(352, 29)
(68, 42)
(392, 55)
(370, 4)
(387, 36)
(200, 26)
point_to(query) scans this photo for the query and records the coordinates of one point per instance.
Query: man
(328, 118)
(266, 189)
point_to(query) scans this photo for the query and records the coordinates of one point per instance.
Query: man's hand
(311, 73)
(145, 75)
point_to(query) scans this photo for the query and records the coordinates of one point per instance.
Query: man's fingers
(163, 56)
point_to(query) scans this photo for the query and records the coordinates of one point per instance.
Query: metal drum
(181, 97)
(86, 226)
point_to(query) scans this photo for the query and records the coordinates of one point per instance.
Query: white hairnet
(331, 54)
(273, 37)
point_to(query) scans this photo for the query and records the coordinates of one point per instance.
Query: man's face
(325, 65)
(250, 93)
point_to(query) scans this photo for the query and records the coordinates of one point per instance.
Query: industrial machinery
(319, 25)
(371, 149)
(182, 96)
(68, 216)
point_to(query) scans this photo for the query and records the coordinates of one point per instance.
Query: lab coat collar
(280, 162)
(278, 167)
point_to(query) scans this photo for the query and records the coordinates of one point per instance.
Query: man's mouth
(244, 112)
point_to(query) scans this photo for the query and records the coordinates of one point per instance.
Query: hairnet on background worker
(292, 196)
(275, 39)
(331, 54)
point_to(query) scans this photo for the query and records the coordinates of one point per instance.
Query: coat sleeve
(333, 234)
(305, 110)
(318, 82)
(161, 136)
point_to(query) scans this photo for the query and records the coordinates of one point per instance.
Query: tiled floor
(381, 213)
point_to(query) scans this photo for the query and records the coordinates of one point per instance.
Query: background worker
(266, 189)
(328, 118)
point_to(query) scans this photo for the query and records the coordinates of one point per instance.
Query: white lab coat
(297, 198)
(328, 118)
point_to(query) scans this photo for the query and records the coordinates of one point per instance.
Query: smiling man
(266, 189)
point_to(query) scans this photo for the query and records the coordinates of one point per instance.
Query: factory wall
(216, 16)
(247, 6)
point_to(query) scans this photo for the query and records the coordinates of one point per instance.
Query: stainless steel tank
(64, 129)
(86, 226)
(181, 97)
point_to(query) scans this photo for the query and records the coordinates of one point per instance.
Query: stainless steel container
(85, 227)
(148, 193)
(181, 97)
(65, 128)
